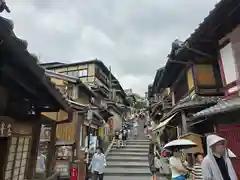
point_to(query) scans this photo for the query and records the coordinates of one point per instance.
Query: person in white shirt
(176, 165)
(135, 128)
(98, 164)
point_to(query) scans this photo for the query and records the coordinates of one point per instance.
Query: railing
(54, 176)
(109, 147)
(231, 88)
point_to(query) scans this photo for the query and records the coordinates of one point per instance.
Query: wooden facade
(25, 93)
(75, 132)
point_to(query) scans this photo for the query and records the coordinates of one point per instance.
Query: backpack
(161, 163)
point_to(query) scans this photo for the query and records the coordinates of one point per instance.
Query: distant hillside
(140, 101)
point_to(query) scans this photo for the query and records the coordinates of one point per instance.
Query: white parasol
(179, 144)
(231, 154)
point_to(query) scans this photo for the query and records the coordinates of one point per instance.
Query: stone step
(141, 146)
(138, 140)
(133, 164)
(139, 154)
(137, 177)
(127, 171)
(127, 158)
(128, 150)
(137, 143)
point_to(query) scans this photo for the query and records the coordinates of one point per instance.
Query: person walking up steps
(135, 127)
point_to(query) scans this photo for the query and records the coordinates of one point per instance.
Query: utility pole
(110, 83)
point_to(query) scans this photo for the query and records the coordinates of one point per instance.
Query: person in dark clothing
(117, 139)
(151, 156)
(124, 136)
(217, 165)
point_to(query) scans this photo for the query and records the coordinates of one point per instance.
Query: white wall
(228, 62)
(117, 120)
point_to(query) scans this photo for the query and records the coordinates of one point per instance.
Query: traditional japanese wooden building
(99, 78)
(26, 93)
(221, 28)
(82, 99)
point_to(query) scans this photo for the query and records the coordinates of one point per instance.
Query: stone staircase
(128, 163)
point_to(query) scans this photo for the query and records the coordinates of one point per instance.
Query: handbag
(157, 162)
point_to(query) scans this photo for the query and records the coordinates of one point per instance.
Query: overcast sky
(132, 36)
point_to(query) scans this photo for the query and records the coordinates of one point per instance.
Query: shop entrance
(3, 155)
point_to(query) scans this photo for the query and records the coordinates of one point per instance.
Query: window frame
(25, 149)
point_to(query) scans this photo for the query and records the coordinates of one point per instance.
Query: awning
(162, 124)
(59, 117)
(223, 106)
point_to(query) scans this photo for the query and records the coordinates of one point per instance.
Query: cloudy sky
(132, 36)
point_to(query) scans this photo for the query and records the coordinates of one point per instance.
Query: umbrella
(231, 154)
(179, 144)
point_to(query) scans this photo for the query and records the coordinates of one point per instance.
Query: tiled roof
(18, 47)
(196, 101)
(221, 107)
(191, 103)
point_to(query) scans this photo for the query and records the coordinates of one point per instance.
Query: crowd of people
(216, 164)
(98, 163)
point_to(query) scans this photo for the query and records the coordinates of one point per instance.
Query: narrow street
(77, 76)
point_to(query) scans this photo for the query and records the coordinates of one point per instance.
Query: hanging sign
(5, 129)
(89, 115)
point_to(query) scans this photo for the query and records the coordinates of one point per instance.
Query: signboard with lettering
(23, 129)
(5, 129)
(89, 115)
(63, 167)
(45, 133)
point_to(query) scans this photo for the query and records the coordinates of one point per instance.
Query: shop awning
(222, 107)
(162, 124)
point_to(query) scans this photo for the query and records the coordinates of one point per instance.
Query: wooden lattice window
(17, 158)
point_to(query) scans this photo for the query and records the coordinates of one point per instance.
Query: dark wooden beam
(34, 148)
(180, 62)
(18, 78)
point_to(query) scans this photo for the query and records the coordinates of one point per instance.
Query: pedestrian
(121, 138)
(151, 157)
(217, 165)
(117, 139)
(178, 169)
(197, 170)
(124, 137)
(98, 164)
(135, 128)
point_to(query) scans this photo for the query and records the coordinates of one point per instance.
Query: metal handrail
(54, 176)
(107, 150)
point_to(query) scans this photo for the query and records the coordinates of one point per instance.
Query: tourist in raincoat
(217, 165)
